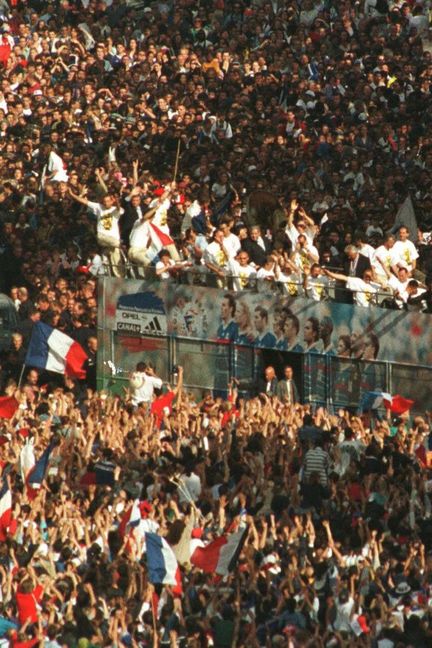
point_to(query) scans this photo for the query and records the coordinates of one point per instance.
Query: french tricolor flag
(5, 509)
(221, 555)
(373, 400)
(27, 460)
(133, 516)
(162, 564)
(52, 350)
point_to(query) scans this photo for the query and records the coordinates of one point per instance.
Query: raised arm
(291, 211)
(99, 178)
(308, 220)
(335, 275)
(179, 386)
(80, 197)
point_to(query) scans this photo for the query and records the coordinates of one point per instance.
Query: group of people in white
(223, 252)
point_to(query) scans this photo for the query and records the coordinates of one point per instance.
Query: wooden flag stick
(177, 159)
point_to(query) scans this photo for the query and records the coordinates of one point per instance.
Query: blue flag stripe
(155, 561)
(37, 353)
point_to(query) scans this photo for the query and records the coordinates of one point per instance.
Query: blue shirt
(268, 341)
(6, 625)
(244, 338)
(295, 348)
(227, 331)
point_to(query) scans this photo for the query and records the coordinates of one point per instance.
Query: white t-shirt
(364, 291)
(382, 257)
(232, 245)
(96, 266)
(404, 253)
(367, 250)
(316, 287)
(241, 274)
(107, 220)
(191, 488)
(165, 274)
(302, 258)
(399, 287)
(293, 234)
(143, 387)
(161, 214)
(139, 236)
(266, 278)
(215, 255)
(293, 283)
(343, 616)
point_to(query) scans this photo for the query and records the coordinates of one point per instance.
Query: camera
(175, 369)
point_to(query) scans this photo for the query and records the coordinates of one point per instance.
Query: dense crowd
(180, 127)
(235, 144)
(336, 511)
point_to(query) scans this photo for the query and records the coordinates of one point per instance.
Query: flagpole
(21, 376)
(177, 159)
(155, 633)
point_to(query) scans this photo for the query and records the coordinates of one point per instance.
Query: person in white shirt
(419, 20)
(316, 283)
(398, 285)
(216, 258)
(383, 261)
(160, 220)
(189, 487)
(242, 271)
(143, 382)
(305, 254)
(95, 264)
(404, 251)
(268, 273)
(364, 248)
(290, 277)
(231, 242)
(108, 231)
(305, 225)
(167, 268)
(364, 289)
(415, 300)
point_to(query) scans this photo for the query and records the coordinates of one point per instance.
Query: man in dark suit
(286, 390)
(257, 246)
(133, 210)
(356, 264)
(269, 385)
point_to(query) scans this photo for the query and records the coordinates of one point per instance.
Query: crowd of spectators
(236, 144)
(337, 510)
(180, 126)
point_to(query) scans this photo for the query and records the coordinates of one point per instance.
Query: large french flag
(53, 350)
(221, 555)
(161, 562)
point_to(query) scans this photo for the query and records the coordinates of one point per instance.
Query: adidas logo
(153, 326)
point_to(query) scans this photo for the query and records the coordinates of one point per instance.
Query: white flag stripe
(227, 552)
(58, 347)
(27, 460)
(170, 563)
